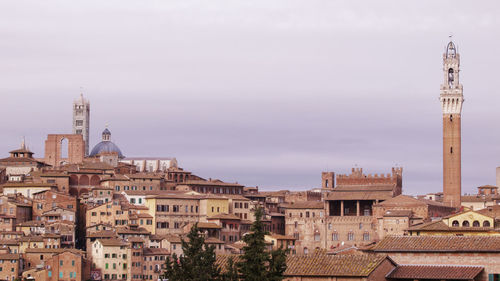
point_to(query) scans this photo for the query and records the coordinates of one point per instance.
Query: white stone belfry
(81, 120)
(451, 90)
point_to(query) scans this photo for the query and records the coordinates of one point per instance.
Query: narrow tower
(451, 102)
(81, 120)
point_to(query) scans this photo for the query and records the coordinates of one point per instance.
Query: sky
(264, 93)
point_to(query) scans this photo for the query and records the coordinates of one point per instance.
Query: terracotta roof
(116, 177)
(304, 205)
(21, 159)
(9, 242)
(28, 184)
(53, 250)
(21, 150)
(402, 200)
(236, 197)
(112, 242)
(476, 198)
(359, 195)
(488, 186)
(208, 225)
(211, 182)
(213, 240)
(326, 265)
(174, 194)
(491, 211)
(102, 233)
(317, 265)
(139, 230)
(157, 237)
(11, 232)
(31, 223)
(143, 215)
(9, 256)
(224, 217)
(436, 272)
(135, 239)
(155, 251)
(145, 192)
(31, 239)
(398, 213)
(172, 238)
(51, 235)
(145, 176)
(431, 244)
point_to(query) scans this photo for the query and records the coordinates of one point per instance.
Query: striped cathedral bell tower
(451, 102)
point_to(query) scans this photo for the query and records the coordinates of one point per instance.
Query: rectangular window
(73, 263)
(50, 273)
(106, 266)
(61, 263)
(60, 274)
(494, 277)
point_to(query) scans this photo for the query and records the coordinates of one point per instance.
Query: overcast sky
(266, 93)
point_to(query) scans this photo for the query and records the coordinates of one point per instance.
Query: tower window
(451, 118)
(451, 149)
(451, 77)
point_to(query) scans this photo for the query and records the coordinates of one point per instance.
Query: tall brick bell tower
(451, 102)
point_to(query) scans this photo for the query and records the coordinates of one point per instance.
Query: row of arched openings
(466, 223)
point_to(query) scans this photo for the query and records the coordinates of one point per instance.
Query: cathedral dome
(106, 146)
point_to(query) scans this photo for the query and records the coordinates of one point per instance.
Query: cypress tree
(197, 262)
(257, 262)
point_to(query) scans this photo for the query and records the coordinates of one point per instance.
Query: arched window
(64, 148)
(455, 224)
(476, 224)
(335, 236)
(450, 77)
(317, 237)
(350, 236)
(465, 224)
(486, 224)
(366, 236)
(306, 251)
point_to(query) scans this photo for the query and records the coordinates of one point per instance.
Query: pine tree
(196, 264)
(257, 262)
